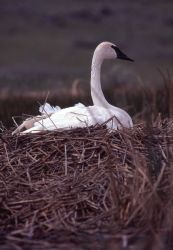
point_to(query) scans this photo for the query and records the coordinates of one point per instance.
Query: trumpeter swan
(80, 115)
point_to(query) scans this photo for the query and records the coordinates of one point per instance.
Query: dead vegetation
(87, 189)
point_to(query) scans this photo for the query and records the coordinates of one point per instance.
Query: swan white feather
(79, 115)
(48, 109)
(74, 117)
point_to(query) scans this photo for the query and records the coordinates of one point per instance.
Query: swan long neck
(96, 90)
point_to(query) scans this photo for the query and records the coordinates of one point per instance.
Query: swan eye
(120, 54)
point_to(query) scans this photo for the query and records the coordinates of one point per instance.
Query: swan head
(110, 51)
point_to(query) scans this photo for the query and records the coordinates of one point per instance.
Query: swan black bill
(121, 55)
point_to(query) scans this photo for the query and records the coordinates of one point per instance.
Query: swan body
(53, 118)
(81, 116)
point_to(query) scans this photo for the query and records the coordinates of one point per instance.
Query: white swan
(79, 115)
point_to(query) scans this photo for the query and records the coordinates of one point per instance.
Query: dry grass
(87, 189)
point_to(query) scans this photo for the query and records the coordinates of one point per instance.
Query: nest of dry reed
(87, 188)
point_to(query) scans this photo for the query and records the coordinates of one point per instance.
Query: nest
(87, 188)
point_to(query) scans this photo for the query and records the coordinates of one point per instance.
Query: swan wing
(72, 117)
(77, 116)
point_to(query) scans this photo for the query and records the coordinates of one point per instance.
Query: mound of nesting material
(87, 189)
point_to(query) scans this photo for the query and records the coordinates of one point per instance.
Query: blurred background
(46, 49)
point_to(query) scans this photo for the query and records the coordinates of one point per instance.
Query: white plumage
(48, 109)
(81, 116)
